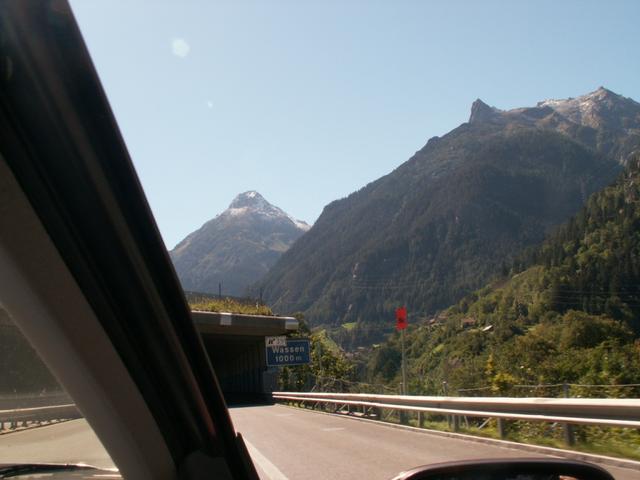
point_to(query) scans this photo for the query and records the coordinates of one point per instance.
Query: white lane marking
(333, 429)
(272, 472)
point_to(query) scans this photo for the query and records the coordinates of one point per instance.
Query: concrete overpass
(236, 346)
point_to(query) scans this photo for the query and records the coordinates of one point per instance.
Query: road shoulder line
(264, 463)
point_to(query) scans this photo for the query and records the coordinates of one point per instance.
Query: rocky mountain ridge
(602, 120)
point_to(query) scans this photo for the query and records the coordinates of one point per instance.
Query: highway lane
(289, 443)
(66, 442)
(286, 444)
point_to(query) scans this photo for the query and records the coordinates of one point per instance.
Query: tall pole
(320, 364)
(404, 365)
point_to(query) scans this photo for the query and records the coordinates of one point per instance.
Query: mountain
(602, 120)
(570, 314)
(237, 247)
(442, 223)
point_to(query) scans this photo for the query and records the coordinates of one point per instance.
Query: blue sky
(307, 102)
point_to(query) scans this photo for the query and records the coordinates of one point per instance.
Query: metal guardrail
(12, 401)
(16, 416)
(623, 413)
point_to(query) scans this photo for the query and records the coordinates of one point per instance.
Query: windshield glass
(409, 231)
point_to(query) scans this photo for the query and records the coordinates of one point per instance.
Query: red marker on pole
(401, 324)
(401, 318)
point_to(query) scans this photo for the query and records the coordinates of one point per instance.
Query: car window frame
(60, 140)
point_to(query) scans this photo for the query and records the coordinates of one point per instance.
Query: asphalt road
(66, 442)
(288, 443)
(285, 443)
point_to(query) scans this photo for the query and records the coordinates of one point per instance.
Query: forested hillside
(568, 312)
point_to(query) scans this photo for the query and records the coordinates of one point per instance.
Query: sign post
(401, 324)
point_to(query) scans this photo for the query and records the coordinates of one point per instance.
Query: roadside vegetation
(210, 303)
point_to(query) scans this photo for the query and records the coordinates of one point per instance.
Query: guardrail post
(569, 438)
(502, 430)
(420, 419)
(403, 417)
(567, 428)
(456, 423)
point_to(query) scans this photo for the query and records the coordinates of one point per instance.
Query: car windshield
(408, 232)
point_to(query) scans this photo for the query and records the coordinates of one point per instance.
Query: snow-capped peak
(251, 202)
(249, 199)
(601, 108)
(583, 104)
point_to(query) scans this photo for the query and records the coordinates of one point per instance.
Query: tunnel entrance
(235, 344)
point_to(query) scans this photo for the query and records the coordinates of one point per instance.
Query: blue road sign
(296, 352)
